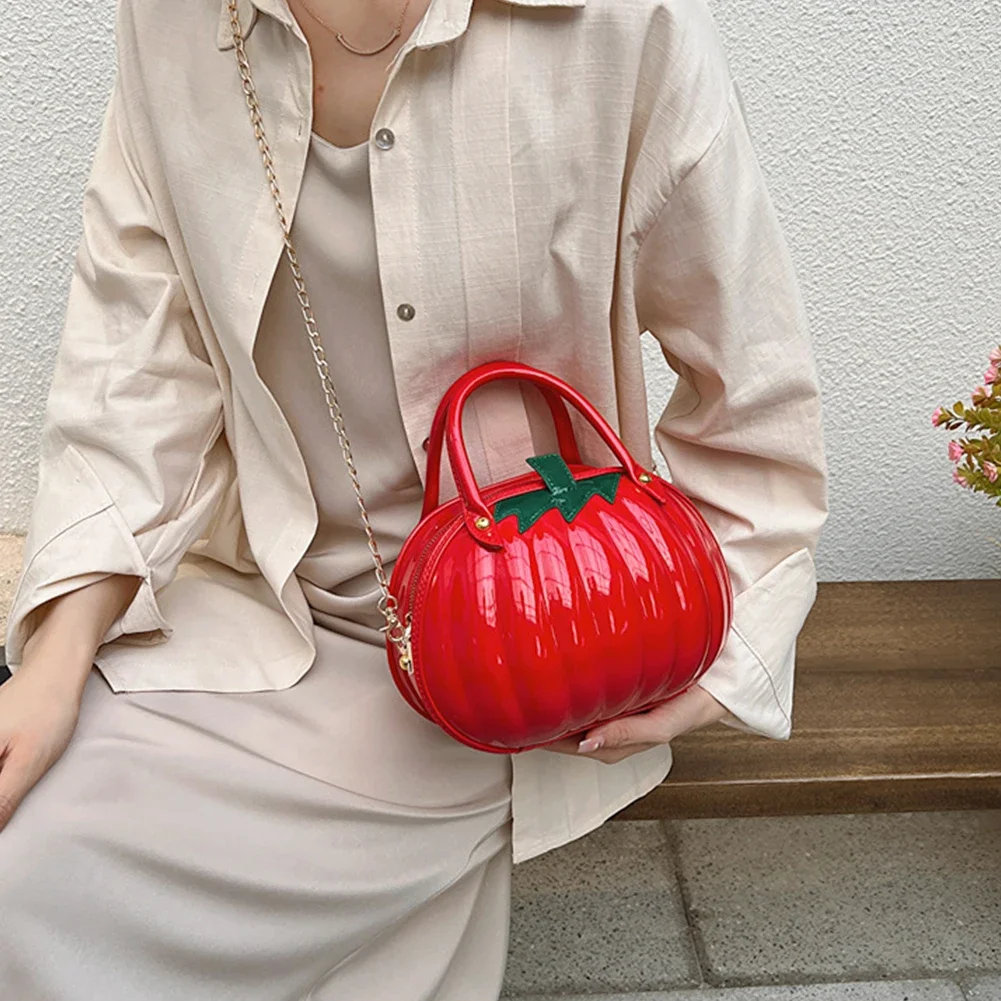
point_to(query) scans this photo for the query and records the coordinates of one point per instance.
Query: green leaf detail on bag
(562, 491)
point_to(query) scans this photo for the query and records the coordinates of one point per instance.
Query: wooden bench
(898, 707)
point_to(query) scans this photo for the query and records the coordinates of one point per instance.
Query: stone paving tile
(981, 988)
(912, 990)
(602, 913)
(859, 897)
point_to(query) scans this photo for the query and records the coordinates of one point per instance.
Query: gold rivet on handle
(644, 477)
(482, 523)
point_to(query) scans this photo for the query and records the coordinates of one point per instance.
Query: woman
(239, 803)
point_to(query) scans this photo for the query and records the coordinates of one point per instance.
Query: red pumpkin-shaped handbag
(544, 605)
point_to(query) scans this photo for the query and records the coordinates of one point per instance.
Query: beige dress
(320, 842)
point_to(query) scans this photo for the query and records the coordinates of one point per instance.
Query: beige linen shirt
(562, 178)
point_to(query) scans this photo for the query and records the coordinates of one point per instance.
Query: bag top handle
(478, 516)
(566, 437)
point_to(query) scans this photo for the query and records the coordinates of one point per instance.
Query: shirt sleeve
(741, 434)
(132, 458)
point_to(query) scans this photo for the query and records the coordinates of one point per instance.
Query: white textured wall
(55, 76)
(877, 124)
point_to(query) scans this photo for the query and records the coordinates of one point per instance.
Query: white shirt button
(384, 139)
(405, 311)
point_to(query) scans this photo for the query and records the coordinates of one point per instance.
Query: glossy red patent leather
(521, 639)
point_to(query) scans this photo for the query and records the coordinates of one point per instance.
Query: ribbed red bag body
(551, 602)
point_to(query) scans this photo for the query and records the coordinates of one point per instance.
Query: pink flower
(955, 451)
(995, 356)
(991, 375)
(957, 478)
(938, 417)
(991, 471)
(980, 395)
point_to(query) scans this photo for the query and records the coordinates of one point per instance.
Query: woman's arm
(40, 704)
(742, 433)
(133, 460)
(67, 631)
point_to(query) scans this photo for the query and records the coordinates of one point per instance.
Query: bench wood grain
(897, 708)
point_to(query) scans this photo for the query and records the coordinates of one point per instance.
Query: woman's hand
(38, 714)
(40, 704)
(612, 742)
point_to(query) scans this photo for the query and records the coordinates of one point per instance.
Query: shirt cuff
(753, 675)
(88, 550)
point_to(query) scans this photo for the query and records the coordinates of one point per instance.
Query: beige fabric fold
(320, 842)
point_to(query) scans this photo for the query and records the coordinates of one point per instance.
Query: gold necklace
(340, 38)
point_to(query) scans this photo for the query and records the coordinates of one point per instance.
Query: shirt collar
(445, 20)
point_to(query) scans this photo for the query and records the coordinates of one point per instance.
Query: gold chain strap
(395, 629)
